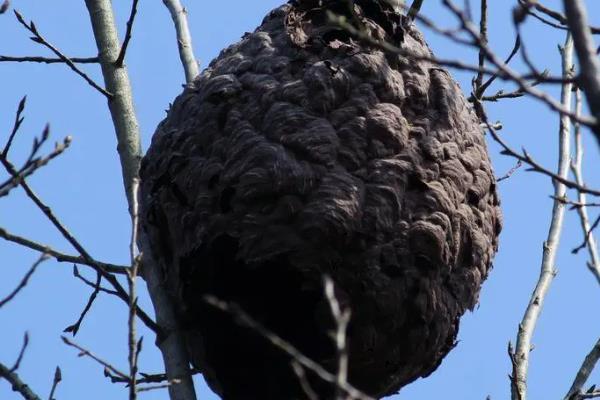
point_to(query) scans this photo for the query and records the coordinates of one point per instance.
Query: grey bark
(550, 246)
(127, 130)
(589, 63)
(184, 39)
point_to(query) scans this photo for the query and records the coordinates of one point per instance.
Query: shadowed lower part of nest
(302, 151)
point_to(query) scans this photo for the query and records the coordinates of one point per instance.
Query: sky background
(84, 189)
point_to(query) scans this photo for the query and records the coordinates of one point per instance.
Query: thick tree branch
(589, 63)
(548, 268)
(126, 126)
(117, 81)
(17, 384)
(588, 365)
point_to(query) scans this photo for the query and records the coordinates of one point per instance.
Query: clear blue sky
(84, 188)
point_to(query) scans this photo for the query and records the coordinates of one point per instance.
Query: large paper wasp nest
(302, 151)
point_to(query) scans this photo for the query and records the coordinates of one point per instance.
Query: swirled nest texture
(303, 151)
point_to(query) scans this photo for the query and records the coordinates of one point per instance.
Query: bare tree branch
(61, 257)
(577, 169)
(74, 328)
(40, 39)
(85, 352)
(116, 80)
(17, 124)
(121, 57)
(134, 346)
(91, 284)
(71, 239)
(245, 319)
(49, 60)
(503, 71)
(17, 384)
(304, 383)
(55, 381)
(24, 281)
(342, 319)
(17, 363)
(548, 268)
(32, 165)
(483, 24)
(126, 126)
(589, 64)
(4, 6)
(149, 378)
(184, 39)
(514, 76)
(586, 369)
(415, 7)
(550, 13)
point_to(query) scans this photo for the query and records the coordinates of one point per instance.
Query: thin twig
(161, 386)
(533, 164)
(510, 171)
(55, 381)
(415, 7)
(17, 124)
(40, 39)
(32, 165)
(17, 363)
(587, 236)
(47, 211)
(551, 13)
(244, 318)
(503, 71)
(62, 257)
(486, 84)
(84, 352)
(342, 319)
(74, 328)
(304, 383)
(91, 284)
(594, 394)
(121, 57)
(24, 281)
(149, 378)
(512, 75)
(483, 33)
(48, 60)
(4, 6)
